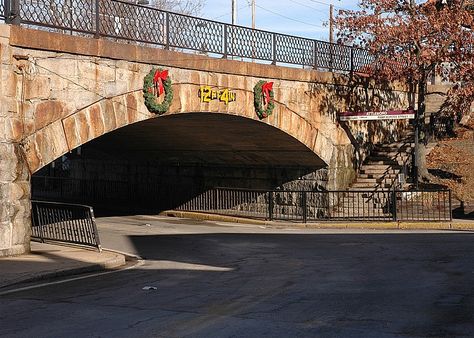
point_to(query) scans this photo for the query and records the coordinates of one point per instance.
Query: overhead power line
(326, 4)
(308, 6)
(230, 13)
(289, 18)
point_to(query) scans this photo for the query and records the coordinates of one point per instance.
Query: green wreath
(150, 97)
(263, 112)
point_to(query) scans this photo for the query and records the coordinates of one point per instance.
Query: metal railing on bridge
(61, 222)
(128, 21)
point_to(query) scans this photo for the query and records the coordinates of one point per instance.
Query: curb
(462, 226)
(128, 256)
(114, 263)
(213, 217)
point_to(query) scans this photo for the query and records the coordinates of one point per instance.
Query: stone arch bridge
(60, 92)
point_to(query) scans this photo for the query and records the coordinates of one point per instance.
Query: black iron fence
(2, 9)
(290, 205)
(440, 126)
(143, 24)
(308, 206)
(60, 222)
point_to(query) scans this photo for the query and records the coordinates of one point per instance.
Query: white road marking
(36, 286)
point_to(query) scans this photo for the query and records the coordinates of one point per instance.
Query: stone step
(379, 160)
(375, 181)
(375, 201)
(394, 146)
(370, 185)
(376, 169)
(377, 176)
(392, 155)
(397, 160)
(371, 189)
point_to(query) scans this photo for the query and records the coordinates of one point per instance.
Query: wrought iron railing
(314, 206)
(143, 24)
(60, 222)
(290, 205)
(2, 9)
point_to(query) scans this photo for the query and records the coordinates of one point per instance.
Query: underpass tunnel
(161, 163)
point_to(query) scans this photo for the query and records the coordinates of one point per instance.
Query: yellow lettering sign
(207, 94)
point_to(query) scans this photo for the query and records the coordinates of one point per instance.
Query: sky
(306, 18)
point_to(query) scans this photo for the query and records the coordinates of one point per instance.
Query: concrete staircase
(381, 169)
(367, 197)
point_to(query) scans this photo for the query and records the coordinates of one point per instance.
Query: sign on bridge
(377, 115)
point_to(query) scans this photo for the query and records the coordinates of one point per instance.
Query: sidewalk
(49, 261)
(455, 224)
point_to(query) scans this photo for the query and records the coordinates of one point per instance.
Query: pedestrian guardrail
(315, 206)
(61, 222)
(143, 24)
(290, 205)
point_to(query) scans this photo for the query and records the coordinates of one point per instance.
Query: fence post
(394, 205)
(274, 51)
(304, 204)
(216, 198)
(226, 41)
(97, 19)
(270, 205)
(450, 207)
(315, 52)
(167, 23)
(6, 11)
(12, 12)
(352, 60)
(94, 228)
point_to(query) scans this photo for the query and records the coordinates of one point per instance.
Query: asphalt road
(217, 280)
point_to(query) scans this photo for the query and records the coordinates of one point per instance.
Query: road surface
(210, 279)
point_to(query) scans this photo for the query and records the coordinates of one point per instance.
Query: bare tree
(188, 7)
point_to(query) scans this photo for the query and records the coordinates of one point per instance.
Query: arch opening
(160, 163)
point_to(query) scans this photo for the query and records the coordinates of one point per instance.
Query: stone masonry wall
(60, 91)
(14, 174)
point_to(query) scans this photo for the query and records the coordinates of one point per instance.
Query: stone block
(74, 98)
(82, 126)
(6, 54)
(9, 106)
(132, 109)
(116, 88)
(37, 88)
(58, 83)
(58, 65)
(31, 153)
(88, 69)
(50, 143)
(9, 83)
(29, 127)
(96, 121)
(21, 225)
(121, 116)
(48, 112)
(8, 167)
(5, 234)
(70, 129)
(5, 31)
(108, 115)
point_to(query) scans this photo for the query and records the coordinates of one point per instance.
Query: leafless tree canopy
(189, 7)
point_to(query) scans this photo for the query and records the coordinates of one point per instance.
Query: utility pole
(331, 23)
(234, 12)
(253, 14)
(253, 27)
(331, 35)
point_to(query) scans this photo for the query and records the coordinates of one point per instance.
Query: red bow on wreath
(158, 80)
(267, 88)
